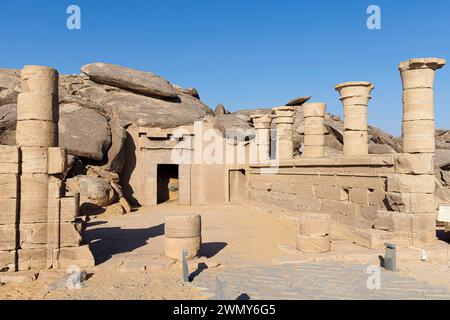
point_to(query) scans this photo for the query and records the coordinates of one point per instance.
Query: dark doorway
(167, 189)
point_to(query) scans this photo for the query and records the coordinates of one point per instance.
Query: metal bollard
(185, 266)
(390, 257)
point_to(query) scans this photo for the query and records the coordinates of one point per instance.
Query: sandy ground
(129, 253)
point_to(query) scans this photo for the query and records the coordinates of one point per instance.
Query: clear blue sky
(242, 53)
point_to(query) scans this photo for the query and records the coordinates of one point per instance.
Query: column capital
(261, 120)
(282, 109)
(283, 114)
(422, 63)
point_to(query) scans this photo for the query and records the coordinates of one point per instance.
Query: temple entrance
(167, 183)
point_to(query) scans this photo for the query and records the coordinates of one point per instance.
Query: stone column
(314, 114)
(262, 124)
(36, 132)
(355, 96)
(415, 185)
(284, 120)
(418, 104)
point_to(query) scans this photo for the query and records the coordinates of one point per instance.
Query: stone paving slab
(316, 281)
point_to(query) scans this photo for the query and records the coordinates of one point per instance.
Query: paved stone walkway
(313, 281)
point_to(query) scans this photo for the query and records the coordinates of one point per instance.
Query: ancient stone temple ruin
(366, 198)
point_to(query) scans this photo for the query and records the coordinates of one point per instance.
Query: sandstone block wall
(360, 194)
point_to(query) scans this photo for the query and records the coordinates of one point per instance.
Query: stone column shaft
(314, 115)
(262, 124)
(284, 120)
(418, 133)
(355, 96)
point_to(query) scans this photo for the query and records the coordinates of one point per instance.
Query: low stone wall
(362, 194)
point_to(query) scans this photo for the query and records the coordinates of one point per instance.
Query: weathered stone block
(8, 212)
(9, 154)
(9, 159)
(8, 238)
(375, 239)
(355, 117)
(310, 151)
(37, 106)
(339, 207)
(331, 193)
(314, 126)
(314, 140)
(35, 233)
(35, 133)
(354, 222)
(313, 244)
(421, 163)
(34, 159)
(417, 78)
(315, 224)
(418, 111)
(411, 183)
(17, 277)
(418, 136)
(69, 235)
(79, 256)
(394, 221)
(305, 190)
(8, 186)
(282, 187)
(184, 191)
(359, 196)
(70, 208)
(183, 226)
(174, 247)
(34, 186)
(32, 258)
(7, 260)
(377, 198)
(411, 202)
(368, 212)
(39, 79)
(355, 143)
(33, 210)
(57, 160)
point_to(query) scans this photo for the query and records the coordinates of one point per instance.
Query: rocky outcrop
(8, 119)
(93, 190)
(220, 109)
(116, 153)
(152, 112)
(129, 79)
(85, 133)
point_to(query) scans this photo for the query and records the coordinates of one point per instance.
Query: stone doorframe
(157, 147)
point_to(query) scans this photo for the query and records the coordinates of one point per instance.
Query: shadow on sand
(106, 242)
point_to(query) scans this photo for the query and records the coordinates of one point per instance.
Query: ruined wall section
(9, 202)
(351, 190)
